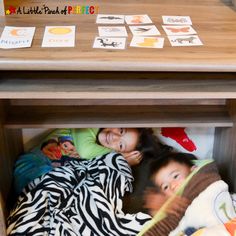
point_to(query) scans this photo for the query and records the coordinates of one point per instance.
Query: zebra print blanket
(80, 198)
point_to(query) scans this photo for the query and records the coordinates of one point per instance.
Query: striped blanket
(80, 198)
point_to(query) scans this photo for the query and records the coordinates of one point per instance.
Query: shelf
(117, 86)
(117, 116)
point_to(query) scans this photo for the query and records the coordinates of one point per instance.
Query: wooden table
(86, 87)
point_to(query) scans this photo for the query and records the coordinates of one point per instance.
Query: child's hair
(149, 144)
(182, 158)
(63, 139)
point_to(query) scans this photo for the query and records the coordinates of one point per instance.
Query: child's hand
(133, 158)
(154, 201)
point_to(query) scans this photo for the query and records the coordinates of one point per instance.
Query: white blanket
(212, 208)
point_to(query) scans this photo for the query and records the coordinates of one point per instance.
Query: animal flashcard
(147, 30)
(110, 19)
(185, 40)
(137, 19)
(16, 37)
(147, 42)
(176, 20)
(59, 36)
(109, 43)
(112, 31)
(179, 30)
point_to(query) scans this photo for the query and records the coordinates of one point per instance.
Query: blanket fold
(81, 198)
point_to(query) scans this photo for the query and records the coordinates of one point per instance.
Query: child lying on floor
(167, 175)
(209, 202)
(62, 145)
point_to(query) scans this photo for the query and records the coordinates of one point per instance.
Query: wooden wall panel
(2, 13)
(10, 147)
(225, 149)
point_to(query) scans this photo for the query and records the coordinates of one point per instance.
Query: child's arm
(154, 201)
(85, 143)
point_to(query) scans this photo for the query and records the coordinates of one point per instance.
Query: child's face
(67, 146)
(119, 139)
(170, 177)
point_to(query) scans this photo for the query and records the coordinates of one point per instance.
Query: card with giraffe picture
(137, 19)
(179, 30)
(144, 30)
(147, 42)
(176, 20)
(185, 40)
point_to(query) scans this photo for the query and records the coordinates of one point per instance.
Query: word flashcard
(16, 37)
(59, 36)
(144, 30)
(179, 30)
(110, 31)
(137, 19)
(177, 20)
(110, 19)
(147, 42)
(189, 40)
(109, 43)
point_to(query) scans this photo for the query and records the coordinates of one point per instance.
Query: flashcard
(59, 36)
(110, 19)
(109, 43)
(112, 31)
(137, 19)
(147, 30)
(189, 40)
(147, 42)
(16, 37)
(176, 20)
(179, 30)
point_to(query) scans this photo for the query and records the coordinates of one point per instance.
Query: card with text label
(137, 19)
(16, 37)
(185, 40)
(176, 20)
(112, 31)
(179, 30)
(147, 42)
(110, 19)
(59, 36)
(147, 30)
(109, 43)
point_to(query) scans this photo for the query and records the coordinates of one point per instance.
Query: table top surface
(214, 21)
